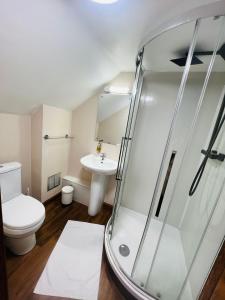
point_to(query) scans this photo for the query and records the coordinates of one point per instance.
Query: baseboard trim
(108, 204)
(77, 200)
(52, 198)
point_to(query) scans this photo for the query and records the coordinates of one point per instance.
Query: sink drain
(124, 250)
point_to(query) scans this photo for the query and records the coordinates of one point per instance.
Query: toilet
(22, 215)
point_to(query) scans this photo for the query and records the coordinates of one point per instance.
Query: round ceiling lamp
(104, 1)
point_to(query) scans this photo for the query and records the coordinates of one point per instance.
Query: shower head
(181, 62)
(221, 52)
(195, 60)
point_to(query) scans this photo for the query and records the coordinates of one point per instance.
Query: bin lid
(67, 189)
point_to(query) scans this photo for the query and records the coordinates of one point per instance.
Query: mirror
(112, 117)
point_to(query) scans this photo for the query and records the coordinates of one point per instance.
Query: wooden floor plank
(219, 292)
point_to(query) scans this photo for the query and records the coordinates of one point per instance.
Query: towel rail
(47, 137)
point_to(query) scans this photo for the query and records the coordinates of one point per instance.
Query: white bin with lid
(67, 194)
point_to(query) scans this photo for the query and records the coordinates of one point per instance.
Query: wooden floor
(219, 292)
(24, 271)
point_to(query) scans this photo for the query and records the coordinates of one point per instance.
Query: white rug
(73, 269)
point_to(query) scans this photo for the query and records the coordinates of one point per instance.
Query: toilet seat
(22, 212)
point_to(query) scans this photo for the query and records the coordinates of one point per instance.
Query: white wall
(155, 113)
(157, 102)
(36, 151)
(15, 144)
(49, 156)
(55, 153)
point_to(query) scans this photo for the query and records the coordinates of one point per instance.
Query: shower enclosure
(167, 228)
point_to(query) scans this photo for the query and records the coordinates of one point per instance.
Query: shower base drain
(124, 250)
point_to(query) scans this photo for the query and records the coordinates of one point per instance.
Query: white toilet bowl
(22, 217)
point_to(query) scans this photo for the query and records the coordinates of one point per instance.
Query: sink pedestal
(101, 170)
(98, 188)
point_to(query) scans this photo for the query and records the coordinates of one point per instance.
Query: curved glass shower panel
(120, 226)
(172, 159)
(154, 118)
(126, 140)
(185, 218)
(203, 220)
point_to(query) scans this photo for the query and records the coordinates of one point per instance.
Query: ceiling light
(105, 1)
(117, 90)
(149, 99)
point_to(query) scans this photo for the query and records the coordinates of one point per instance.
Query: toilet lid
(22, 212)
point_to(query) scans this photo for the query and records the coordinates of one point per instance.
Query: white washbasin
(100, 170)
(95, 164)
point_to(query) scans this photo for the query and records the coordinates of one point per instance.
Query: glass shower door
(179, 230)
(126, 140)
(146, 151)
(162, 237)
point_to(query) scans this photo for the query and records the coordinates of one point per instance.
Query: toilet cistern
(101, 167)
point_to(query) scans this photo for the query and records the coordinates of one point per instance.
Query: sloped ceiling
(60, 52)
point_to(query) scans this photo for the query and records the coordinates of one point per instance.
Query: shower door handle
(118, 173)
(165, 183)
(121, 157)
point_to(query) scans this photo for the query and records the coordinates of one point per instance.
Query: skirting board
(81, 192)
(81, 189)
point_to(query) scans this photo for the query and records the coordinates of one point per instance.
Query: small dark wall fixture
(54, 181)
(181, 62)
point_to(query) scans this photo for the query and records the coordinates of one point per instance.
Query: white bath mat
(73, 269)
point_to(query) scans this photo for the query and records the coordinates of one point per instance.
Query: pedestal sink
(101, 169)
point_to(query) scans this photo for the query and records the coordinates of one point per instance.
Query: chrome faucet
(102, 155)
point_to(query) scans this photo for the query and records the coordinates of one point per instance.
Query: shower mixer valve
(214, 155)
